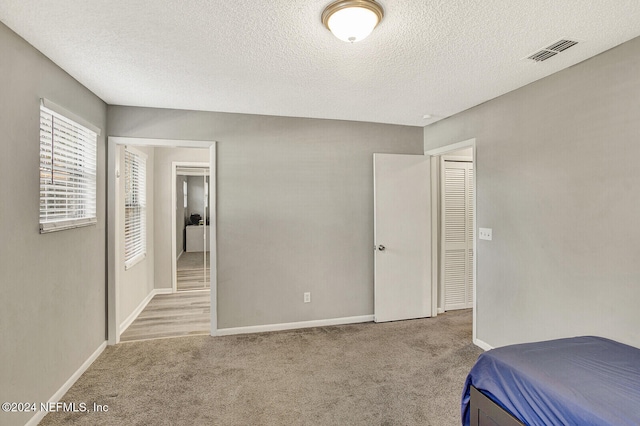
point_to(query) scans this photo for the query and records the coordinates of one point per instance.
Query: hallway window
(67, 170)
(135, 207)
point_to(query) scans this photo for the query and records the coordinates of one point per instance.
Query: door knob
(381, 247)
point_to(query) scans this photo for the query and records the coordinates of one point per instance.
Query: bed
(577, 381)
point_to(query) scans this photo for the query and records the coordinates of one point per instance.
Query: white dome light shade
(352, 20)
(352, 24)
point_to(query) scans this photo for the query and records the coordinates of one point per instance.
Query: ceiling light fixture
(352, 20)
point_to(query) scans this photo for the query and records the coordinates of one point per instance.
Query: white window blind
(68, 152)
(135, 208)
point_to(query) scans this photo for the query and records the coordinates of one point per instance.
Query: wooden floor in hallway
(172, 315)
(193, 271)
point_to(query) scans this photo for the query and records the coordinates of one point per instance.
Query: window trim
(61, 225)
(70, 115)
(135, 260)
(67, 223)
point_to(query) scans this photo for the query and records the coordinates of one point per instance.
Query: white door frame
(435, 194)
(113, 335)
(174, 229)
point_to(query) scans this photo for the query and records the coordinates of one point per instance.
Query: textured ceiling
(434, 57)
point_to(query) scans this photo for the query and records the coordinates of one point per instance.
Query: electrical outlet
(307, 297)
(485, 233)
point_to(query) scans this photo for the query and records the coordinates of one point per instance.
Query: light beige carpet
(400, 373)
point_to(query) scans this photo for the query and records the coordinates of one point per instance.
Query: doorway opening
(191, 219)
(453, 207)
(151, 278)
(456, 231)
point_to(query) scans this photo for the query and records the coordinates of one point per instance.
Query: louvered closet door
(457, 271)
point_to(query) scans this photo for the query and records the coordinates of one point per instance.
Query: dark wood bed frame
(485, 412)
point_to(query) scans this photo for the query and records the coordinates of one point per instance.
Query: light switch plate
(485, 234)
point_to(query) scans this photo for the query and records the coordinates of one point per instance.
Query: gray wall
(558, 183)
(295, 208)
(135, 283)
(53, 285)
(164, 157)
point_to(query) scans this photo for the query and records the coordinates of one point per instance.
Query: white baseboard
(441, 310)
(67, 385)
(131, 318)
(181, 252)
(291, 325)
(482, 345)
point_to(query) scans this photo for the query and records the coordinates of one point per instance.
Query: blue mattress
(577, 381)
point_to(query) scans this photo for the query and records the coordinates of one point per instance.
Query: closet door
(457, 235)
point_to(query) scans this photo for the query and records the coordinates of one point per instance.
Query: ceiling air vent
(551, 51)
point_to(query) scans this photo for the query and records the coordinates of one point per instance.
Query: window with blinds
(68, 152)
(135, 207)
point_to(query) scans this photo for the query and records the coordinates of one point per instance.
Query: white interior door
(402, 222)
(457, 212)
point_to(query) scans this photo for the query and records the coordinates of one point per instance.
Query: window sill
(134, 261)
(63, 225)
